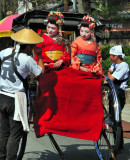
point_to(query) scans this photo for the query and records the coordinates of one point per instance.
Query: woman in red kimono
(54, 51)
(85, 52)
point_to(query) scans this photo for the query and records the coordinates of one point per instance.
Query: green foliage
(107, 10)
(105, 52)
(127, 50)
(127, 60)
(106, 65)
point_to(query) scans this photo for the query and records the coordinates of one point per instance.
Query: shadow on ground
(71, 152)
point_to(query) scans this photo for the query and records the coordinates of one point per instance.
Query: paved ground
(126, 113)
(73, 149)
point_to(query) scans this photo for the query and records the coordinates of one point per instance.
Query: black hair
(23, 46)
(120, 56)
(84, 24)
(52, 20)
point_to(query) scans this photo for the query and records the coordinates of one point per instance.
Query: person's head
(86, 27)
(116, 54)
(26, 47)
(55, 20)
(85, 32)
(25, 40)
(52, 27)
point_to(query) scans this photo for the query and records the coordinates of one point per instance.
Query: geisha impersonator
(85, 51)
(54, 50)
(70, 100)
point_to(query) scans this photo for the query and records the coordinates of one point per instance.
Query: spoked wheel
(108, 144)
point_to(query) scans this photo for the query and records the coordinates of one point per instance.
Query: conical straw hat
(27, 36)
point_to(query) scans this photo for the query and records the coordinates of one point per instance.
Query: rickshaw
(108, 142)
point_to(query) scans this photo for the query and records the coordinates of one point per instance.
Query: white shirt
(121, 72)
(25, 64)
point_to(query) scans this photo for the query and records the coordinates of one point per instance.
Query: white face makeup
(52, 30)
(85, 33)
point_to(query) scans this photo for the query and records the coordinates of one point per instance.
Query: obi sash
(54, 55)
(86, 59)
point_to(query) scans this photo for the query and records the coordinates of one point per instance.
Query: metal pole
(65, 5)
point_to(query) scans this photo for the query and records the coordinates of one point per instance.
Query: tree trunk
(65, 5)
(3, 8)
(84, 6)
(0, 9)
(80, 8)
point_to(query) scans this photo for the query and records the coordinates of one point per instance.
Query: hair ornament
(59, 17)
(90, 20)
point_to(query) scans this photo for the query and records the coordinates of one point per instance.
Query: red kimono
(52, 51)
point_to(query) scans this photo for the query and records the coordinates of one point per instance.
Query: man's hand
(109, 74)
(38, 51)
(110, 71)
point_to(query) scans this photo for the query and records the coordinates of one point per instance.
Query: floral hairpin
(90, 20)
(59, 17)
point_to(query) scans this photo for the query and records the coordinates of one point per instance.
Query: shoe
(121, 148)
(119, 151)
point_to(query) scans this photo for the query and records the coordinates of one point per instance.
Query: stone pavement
(126, 113)
(73, 149)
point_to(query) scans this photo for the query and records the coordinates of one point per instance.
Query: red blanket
(70, 104)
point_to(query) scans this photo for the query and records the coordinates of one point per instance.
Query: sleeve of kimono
(98, 66)
(41, 45)
(65, 57)
(75, 61)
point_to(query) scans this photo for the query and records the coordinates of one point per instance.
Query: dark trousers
(122, 100)
(10, 131)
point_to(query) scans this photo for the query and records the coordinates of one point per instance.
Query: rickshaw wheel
(108, 144)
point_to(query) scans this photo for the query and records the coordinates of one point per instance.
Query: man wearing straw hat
(119, 74)
(11, 130)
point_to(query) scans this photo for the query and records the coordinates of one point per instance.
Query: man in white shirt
(11, 131)
(119, 74)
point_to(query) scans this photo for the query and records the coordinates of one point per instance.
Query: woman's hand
(84, 69)
(58, 64)
(47, 64)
